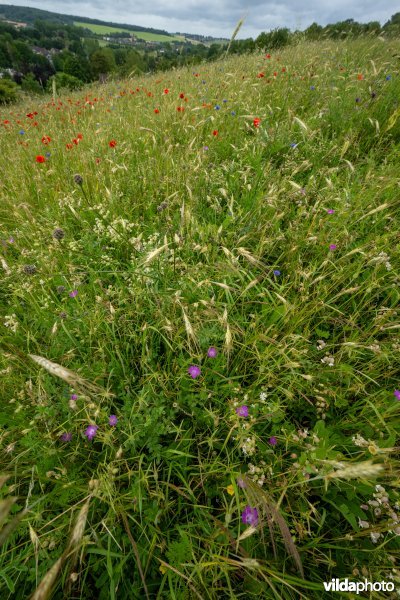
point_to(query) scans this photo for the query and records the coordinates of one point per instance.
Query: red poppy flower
(40, 159)
(181, 95)
(180, 108)
(156, 110)
(215, 132)
(260, 75)
(166, 91)
(360, 77)
(79, 136)
(46, 139)
(256, 122)
(69, 146)
(112, 143)
(267, 56)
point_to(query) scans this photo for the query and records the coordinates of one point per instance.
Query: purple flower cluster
(194, 370)
(250, 516)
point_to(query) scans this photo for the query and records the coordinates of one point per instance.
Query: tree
(77, 67)
(102, 63)
(29, 84)
(314, 32)
(8, 91)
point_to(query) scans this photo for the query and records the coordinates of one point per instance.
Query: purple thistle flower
(91, 431)
(332, 247)
(73, 294)
(112, 420)
(66, 437)
(242, 411)
(330, 211)
(273, 441)
(194, 371)
(250, 516)
(212, 352)
(74, 396)
(397, 394)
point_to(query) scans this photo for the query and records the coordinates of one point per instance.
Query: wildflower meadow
(199, 330)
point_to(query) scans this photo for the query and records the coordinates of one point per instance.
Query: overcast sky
(219, 17)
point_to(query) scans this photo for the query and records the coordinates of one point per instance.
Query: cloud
(219, 17)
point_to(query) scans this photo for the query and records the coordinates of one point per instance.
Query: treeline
(281, 37)
(32, 57)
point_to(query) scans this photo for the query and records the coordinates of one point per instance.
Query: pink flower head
(250, 516)
(74, 397)
(112, 420)
(241, 482)
(242, 411)
(194, 371)
(397, 394)
(273, 441)
(91, 431)
(66, 437)
(73, 294)
(330, 211)
(332, 247)
(212, 352)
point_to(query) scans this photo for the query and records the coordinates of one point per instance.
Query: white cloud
(219, 17)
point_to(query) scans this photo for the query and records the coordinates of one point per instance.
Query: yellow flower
(230, 489)
(163, 569)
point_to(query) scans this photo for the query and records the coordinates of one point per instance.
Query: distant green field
(157, 37)
(141, 35)
(100, 29)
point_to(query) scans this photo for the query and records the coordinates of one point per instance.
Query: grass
(141, 35)
(101, 29)
(143, 240)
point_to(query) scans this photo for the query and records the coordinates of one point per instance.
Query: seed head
(58, 234)
(30, 269)
(78, 179)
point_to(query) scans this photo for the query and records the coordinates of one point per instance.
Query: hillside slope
(199, 330)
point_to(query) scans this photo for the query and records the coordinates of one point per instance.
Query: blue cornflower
(22, 132)
(277, 272)
(388, 77)
(233, 113)
(217, 107)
